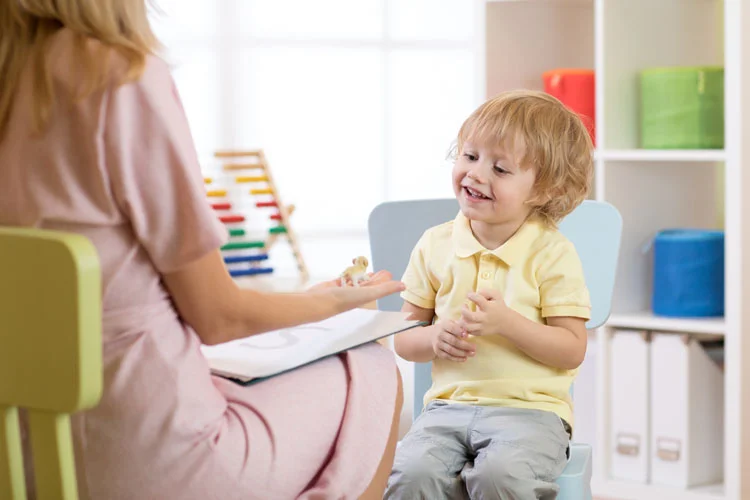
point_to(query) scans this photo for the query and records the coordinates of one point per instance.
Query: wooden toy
(265, 189)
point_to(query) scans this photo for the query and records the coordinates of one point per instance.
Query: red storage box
(575, 89)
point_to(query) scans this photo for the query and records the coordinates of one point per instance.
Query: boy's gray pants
(459, 451)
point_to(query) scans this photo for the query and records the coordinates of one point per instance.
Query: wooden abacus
(246, 163)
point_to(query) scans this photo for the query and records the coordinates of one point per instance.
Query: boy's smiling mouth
(474, 194)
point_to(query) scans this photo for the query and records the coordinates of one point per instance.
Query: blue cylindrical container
(688, 273)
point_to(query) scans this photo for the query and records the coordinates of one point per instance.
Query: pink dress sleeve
(154, 171)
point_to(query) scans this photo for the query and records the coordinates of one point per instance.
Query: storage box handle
(668, 449)
(628, 444)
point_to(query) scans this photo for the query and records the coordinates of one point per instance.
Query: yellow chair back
(50, 353)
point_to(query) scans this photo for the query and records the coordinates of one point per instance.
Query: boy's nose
(475, 173)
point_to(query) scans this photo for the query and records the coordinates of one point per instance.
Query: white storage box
(629, 395)
(687, 413)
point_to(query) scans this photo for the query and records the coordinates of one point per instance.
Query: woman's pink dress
(120, 168)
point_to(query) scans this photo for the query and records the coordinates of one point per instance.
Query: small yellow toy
(357, 273)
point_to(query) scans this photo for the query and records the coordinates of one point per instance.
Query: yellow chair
(50, 353)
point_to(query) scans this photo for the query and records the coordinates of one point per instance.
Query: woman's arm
(219, 311)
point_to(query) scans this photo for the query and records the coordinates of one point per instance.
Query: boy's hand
(448, 342)
(489, 316)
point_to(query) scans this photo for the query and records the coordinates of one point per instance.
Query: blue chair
(594, 228)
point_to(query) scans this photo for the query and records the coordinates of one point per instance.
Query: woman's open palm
(378, 285)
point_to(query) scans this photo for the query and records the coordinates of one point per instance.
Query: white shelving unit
(646, 320)
(653, 189)
(680, 155)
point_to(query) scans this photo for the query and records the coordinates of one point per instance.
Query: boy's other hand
(450, 342)
(490, 314)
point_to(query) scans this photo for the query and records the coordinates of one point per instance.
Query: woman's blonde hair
(27, 26)
(553, 139)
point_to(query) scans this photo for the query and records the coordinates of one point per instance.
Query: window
(354, 101)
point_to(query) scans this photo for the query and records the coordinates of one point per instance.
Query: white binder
(629, 389)
(687, 413)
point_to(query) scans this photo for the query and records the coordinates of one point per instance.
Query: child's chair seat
(594, 228)
(575, 481)
(51, 355)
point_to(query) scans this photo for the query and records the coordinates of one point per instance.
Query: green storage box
(682, 108)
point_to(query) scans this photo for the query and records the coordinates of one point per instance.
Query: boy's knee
(411, 483)
(505, 483)
(506, 476)
(415, 479)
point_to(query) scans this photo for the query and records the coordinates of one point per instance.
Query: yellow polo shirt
(546, 279)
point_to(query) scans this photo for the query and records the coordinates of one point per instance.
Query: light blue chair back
(594, 228)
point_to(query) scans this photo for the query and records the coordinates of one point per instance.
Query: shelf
(672, 155)
(621, 490)
(710, 327)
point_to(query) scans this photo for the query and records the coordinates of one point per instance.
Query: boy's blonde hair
(27, 26)
(553, 139)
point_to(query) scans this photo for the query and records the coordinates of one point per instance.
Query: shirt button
(485, 275)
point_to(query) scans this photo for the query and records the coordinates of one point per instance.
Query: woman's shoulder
(73, 55)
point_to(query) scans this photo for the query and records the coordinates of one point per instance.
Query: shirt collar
(511, 252)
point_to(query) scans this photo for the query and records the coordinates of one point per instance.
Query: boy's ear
(354, 260)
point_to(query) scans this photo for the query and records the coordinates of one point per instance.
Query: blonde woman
(93, 140)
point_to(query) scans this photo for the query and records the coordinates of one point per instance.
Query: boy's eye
(470, 156)
(499, 170)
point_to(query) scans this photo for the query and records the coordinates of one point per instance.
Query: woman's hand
(378, 285)
(375, 278)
